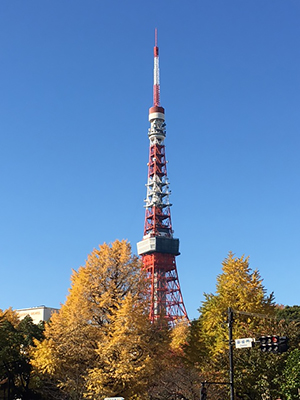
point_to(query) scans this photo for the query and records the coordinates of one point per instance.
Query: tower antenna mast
(156, 83)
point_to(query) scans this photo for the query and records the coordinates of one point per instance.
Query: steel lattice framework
(158, 248)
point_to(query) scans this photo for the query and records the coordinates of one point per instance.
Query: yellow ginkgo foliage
(178, 337)
(10, 315)
(99, 343)
(126, 355)
(241, 289)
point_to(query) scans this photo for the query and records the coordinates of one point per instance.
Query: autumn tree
(129, 355)
(240, 288)
(176, 378)
(100, 342)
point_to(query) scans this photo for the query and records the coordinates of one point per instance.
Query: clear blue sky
(76, 85)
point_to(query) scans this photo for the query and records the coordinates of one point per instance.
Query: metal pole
(203, 391)
(231, 373)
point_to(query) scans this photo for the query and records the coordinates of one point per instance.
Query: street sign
(244, 343)
(114, 398)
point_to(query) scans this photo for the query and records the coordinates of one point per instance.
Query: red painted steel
(164, 289)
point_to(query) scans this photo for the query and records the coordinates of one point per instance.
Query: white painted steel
(157, 188)
(156, 71)
(156, 115)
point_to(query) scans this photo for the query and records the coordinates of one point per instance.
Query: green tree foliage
(101, 343)
(16, 339)
(290, 382)
(259, 374)
(288, 313)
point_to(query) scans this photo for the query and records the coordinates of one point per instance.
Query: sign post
(231, 382)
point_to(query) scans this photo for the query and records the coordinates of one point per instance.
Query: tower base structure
(158, 257)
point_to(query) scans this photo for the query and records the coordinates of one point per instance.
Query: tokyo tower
(158, 248)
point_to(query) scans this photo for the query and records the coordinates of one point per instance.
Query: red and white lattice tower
(158, 248)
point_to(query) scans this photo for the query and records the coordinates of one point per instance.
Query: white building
(37, 314)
